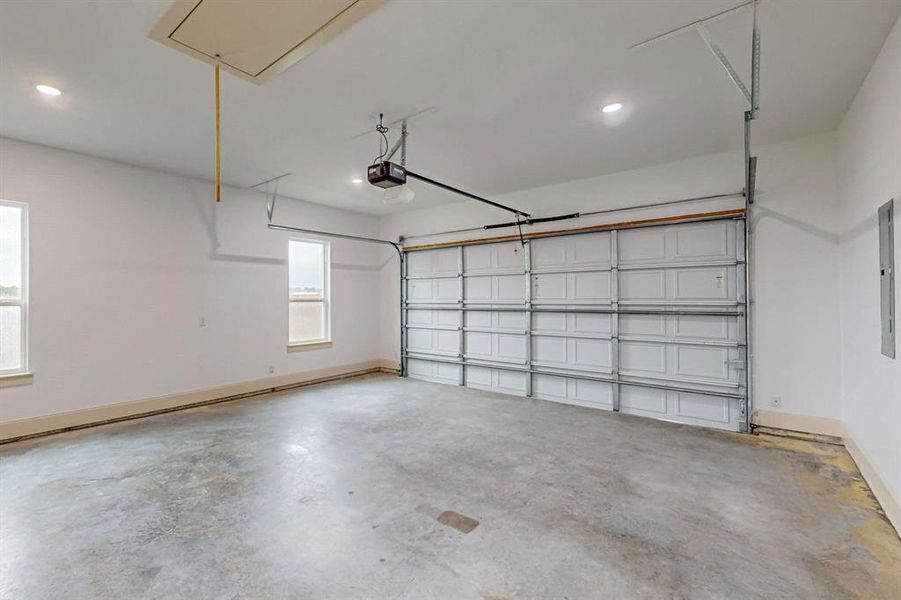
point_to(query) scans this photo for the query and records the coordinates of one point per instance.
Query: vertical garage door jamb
(461, 267)
(527, 263)
(403, 314)
(614, 317)
(741, 274)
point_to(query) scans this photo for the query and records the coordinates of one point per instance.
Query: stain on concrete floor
(251, 499)
(461, 523)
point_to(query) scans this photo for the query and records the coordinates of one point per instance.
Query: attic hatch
(256, 39)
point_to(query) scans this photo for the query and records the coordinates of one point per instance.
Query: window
(309, 319)
(13, 287)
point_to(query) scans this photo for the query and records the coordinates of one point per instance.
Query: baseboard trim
(794, 422)
(389, 366)
(818, 438)
(122, 411)
(888, 500)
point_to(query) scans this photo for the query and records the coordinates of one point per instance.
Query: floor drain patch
(461, 523)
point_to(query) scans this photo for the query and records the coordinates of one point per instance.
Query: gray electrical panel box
(887, 277)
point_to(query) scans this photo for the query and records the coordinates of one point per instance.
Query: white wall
(796, 333)
(869, 144)
(125, 261)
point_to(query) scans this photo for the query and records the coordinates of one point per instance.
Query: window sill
(16, 379)
(301, 346)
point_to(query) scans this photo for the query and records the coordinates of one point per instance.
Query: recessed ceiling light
(612, 107)
(356, 180)
(49, 90)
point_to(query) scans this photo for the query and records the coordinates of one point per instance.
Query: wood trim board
(735, 212)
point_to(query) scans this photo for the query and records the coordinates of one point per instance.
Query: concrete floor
(363, 489)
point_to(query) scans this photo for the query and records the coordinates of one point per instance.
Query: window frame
(325, 299)
(22, 301)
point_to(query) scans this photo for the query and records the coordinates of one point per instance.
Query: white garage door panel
(643, 325)
(590, 354)
(433, 291)
(590, 323)
(703, 408)
(707, 327)
(430, 341)
(433, 318)
(642, 401)
(679, 327)
(707, 241)
(590, 286)
(439, 263)
(500, 289)
(498, 347)
(548, 253)
(496, 380)
(433, 371)
(494, 258)
(643, 359)
(702, 362)
(696, 409)
(572, 353)
(641, 246)
(485, 319)
(594, 394)
(571, 288)
(549, 350)
(642, 285)
(678, 362)
(717, 283)
(571, 323)
(549, 287)
(703, 285)
(573, 253)
(675, 244)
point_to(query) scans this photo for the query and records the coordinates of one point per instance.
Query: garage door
(646, 321)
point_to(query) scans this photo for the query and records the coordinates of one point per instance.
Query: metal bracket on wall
(270, 201)
(720, 56)
(400, 144)
(752, 96)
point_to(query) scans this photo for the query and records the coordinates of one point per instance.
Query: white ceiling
(516, 89)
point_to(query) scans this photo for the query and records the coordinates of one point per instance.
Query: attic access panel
(256, 40)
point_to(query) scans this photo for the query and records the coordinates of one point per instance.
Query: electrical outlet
(203, 321)
(776, 401)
